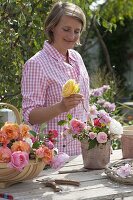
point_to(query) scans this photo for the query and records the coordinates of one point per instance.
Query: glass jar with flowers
(24, 153)
(96, 134)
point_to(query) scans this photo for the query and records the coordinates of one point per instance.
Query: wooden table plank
(94, 184)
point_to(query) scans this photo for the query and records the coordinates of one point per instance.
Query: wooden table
(94, 184)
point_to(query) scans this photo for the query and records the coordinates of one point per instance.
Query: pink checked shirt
(43, 77)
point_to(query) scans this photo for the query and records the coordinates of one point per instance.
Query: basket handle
(15, 110)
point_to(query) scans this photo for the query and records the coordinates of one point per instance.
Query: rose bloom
(97, 123)
(24, 131)
(69, 88)
(59, 160)
(20, 146)
(102, 137)
(5, 154)
(52, 135)
(92, 112)
(77, 126)
(45, 154)
(92, 135)
(124, 171)
(49, 144)
(3, 138)
(115, 127)
(19, 160)
(104, 117)
(11, 130)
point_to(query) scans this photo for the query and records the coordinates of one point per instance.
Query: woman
(47, 71)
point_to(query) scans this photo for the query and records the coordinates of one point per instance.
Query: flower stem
(84, 107)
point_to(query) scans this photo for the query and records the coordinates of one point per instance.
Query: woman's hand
(70, 102)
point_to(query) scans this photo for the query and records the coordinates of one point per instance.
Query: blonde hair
(60, 9)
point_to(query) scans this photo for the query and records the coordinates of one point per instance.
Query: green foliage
(21, 37)
(119, 43)
(33, 133)
(69, 117)
(102, 77)
(116, 11)
(62, 122)
(43, 127)
(116, 144)
(92, 144)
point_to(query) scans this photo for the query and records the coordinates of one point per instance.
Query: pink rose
(59, 160)
(19, 159)
(102, 137)
(49, 144)
(77, 126)
(40, 152)
(92, 135)
(124, 171)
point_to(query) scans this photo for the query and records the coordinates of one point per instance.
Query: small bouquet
(19, 144)
(101, 125)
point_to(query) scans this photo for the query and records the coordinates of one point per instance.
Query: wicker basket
(10, 176)
(14, 109)
(111, 171)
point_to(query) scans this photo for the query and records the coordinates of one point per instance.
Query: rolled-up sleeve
(33, 87)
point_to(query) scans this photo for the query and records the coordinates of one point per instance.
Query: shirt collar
(49, 49)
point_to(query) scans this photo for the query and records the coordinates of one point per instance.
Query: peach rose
(3, 138)
(11, 130)
(5, 154)
(20, 146)
(24, 131)
(45, 154)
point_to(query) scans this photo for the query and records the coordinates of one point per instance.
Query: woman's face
(66, 33)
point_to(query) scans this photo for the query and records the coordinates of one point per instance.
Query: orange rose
(3, 138)
(11, 130)
(24, 131)
(20, 146)
(45, 153)
(5, 154)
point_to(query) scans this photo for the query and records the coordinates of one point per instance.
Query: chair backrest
(14, 109)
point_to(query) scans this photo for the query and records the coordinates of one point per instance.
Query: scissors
(54, 183)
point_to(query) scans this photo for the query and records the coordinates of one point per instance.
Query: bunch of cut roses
(19, 144)
(101, 125)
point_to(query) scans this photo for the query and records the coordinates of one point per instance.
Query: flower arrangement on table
(19, 144)
(101, 125)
